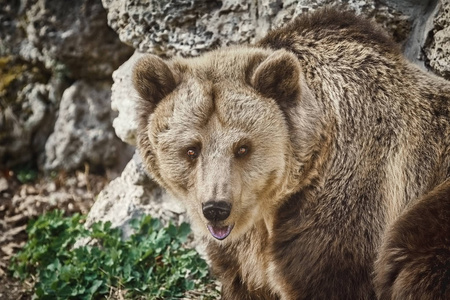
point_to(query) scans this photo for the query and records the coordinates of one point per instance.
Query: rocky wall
(437, 46)
(54, 56)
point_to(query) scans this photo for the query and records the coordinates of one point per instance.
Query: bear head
(215, 132)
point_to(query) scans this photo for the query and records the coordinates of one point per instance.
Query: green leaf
(96, 284)
(183, 232)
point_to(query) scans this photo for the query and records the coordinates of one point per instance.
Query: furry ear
(278, 77)
(153, 79)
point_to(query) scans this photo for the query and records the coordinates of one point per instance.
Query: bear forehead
(228, 64)
(235, 106)
(216, 86)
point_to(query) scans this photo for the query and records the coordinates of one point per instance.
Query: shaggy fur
(341, 134)
(414, 260)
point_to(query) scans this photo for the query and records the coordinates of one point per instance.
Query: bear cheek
(271, 178)
(175, 174)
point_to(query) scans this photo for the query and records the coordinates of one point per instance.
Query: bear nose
(216, 210)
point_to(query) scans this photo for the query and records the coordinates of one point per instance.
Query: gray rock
(123, 99)
(50, 43)
(70, 32)
(11, 33)
(27, 110)
(73, 35)
(83, 130)
(3, 184)
(190, 27)
(437, 48)
(19, 127)
(421, 16)
(157, 26)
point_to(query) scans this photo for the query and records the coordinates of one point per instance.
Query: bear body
(297, 157)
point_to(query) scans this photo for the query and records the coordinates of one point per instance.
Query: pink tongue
(220, 232)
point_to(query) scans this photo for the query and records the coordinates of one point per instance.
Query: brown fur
(342, 135)
(414, 260)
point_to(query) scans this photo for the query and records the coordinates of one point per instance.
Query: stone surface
(83, 130)
(123, 100)
(131, 195)
(46, 45)
(437, 49)
(27, 109)
(190, 27)
(158, 26)
(79, 42)
(11, 33)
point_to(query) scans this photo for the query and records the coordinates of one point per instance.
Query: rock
(27, 109)
(3, 184)
(83, 131)
(55, 37)
(43, 49)
(421, 16)
(131, 195)
(20, 126)
(44, 31)
(437, 48)
(123, 99)
(190, 27)
(11, 33)
(156, 26)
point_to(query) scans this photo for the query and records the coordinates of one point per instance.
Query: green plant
(27, 175)
(152, 264)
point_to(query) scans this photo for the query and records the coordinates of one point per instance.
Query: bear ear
(153, 79)
(278, 77)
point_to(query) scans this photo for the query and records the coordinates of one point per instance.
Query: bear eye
(242, 151)
(192, 153)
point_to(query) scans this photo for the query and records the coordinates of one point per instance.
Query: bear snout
(216, 211)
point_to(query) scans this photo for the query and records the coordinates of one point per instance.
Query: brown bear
(297, 159)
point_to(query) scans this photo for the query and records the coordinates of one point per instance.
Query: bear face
(224, 151)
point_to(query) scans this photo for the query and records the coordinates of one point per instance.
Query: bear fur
(315, 146)
(414, 260)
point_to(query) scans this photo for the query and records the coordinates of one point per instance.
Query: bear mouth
(220, 232)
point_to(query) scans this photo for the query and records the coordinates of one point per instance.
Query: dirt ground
(19, 203)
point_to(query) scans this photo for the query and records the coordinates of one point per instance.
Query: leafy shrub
(152, 264)
(26, 173)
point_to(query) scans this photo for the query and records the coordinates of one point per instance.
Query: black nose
(216, 210)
